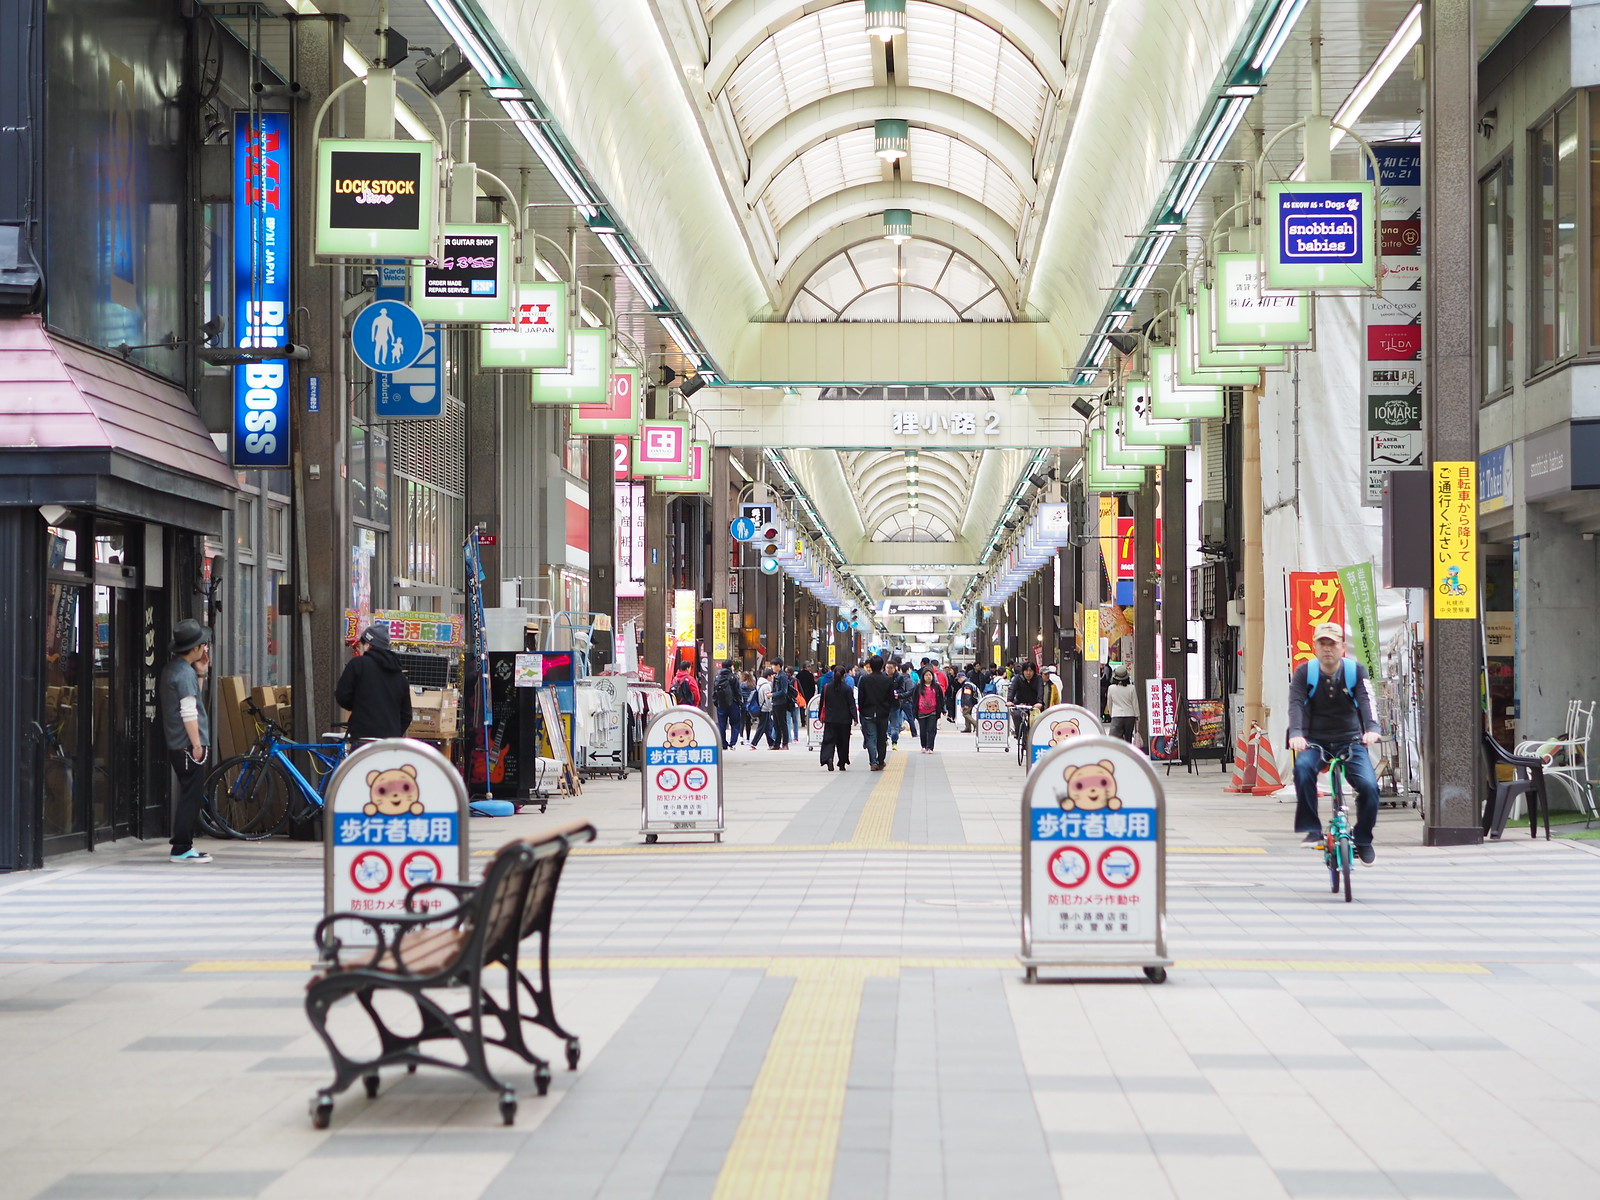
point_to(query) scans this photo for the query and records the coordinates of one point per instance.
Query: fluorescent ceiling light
(1277, 34)
(477, 54)
(619, 254)
(534, 136)
(683, 341)
(1400, 46)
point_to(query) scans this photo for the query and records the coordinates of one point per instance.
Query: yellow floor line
(877, 818)
(833, 847)
(798, 964)
(788, 1137)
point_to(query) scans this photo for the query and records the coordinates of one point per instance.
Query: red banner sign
(1125, 547)
(1314, 597)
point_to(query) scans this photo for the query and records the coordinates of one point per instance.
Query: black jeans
(873, 731)
(929, 727)
(191, 781)
(836, 737)
(1122, 727)
(780, 724)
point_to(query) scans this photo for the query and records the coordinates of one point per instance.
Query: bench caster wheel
(371, 1084)
(541, 1079)
(1032, 975)
(321, 1111)
(719, 839)
(649, 839)
(508, 1107)
(411, 1068)
(1156, 974)
(573, 1051)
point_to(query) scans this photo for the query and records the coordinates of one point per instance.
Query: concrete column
(1068, 652)
(656, 556)
(1175, 579)
(321, 565)
(1092, 581)
(1145, 634)
(1255, 589)
(1451, 750)
(603, 542)
(485, 497)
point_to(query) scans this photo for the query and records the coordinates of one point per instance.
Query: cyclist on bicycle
(1330, 712)
(1026, 696)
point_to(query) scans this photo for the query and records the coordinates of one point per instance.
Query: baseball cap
(1328, 629)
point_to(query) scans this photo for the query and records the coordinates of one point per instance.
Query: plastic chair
(1529, 781)
(1567, 757)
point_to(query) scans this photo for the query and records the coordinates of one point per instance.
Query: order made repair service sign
(682, 777)
(1093, 856)
(1322, 235)
(396, 818)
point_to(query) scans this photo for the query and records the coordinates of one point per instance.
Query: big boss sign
(261, 255)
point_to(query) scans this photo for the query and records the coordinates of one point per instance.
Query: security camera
(369, 279)
(1489, 122)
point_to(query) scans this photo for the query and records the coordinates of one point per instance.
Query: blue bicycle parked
(252, 796)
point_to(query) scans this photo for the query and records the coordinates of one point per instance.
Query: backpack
(1314, 677)
(726, 693)
(682, 692)
(753, 705)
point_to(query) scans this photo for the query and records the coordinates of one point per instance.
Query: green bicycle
(1338, 843)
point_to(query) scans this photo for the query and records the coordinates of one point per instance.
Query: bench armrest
(459, 890)
(388, 931)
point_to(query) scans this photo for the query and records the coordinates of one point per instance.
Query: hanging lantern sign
(537, 334)
(471, 281)
(696, 481)
(1322, 235)
(1244, 313)
(375, 198)
(620, 412)
(586, 381)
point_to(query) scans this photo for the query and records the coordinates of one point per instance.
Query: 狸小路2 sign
(261, 254)
(1321, 235)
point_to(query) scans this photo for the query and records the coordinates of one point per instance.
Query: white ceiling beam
(988, 226)
(743, 25)
(858, 108)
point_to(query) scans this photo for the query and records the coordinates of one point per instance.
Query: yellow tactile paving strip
(788, 1137)
(833, 847)
(876, 822)
(798, 964)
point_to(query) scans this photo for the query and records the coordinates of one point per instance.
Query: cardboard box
(235, 730)
(435, 713)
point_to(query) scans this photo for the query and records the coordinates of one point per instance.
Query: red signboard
(1314, 597)
(1125, 547)
(1394, 343)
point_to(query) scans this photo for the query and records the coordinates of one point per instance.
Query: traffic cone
(1244, 763)
(1268, 778)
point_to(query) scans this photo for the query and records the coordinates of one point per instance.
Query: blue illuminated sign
(1322, 228)
(417, 391)
(262, 251)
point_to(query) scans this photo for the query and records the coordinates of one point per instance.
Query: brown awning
(83, 428)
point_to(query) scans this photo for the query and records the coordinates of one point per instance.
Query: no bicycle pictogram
(1069, 867)
(371, 871)
(667, 779)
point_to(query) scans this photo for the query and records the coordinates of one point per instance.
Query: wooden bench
(438, 960)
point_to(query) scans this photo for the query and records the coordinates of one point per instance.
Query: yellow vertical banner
(996, 649)
(683, 605)
(833, 653)
(1455, 541)
(1091, 634)
(719, 634)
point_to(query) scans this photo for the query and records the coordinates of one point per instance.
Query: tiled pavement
(827, 1006)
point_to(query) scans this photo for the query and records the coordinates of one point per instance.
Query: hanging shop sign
(661, 448)
(396, 818)
(1125, 547)
(1161, 707)
(375, 199)
(1170, 400)
(426, 630)
(262, 192)
(1139, 428)
(681, 783)
(1091, 634)
(1245, 313)
(618, 414)
(1392, 436)
(536, 337)
(418, 391)
(630, 538)
(1057, 725)
(588, 377)
(1207, 353)
(386, 336)
(1121, 454)
(1100, 476)
(719, 634)
(1313, 597)
(1455, 541)
(696, 481)
(622, 457)
(1094, 859)
(1187, 362)
(1322, 235)
(470, 282)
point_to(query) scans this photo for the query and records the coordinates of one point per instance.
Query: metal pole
(1145, 633)
(1175, 580)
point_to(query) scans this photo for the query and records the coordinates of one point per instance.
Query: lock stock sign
(261, 257)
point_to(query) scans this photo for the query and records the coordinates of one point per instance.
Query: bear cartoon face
(393, 793)
(680, 734)
(1091, 788)
(1060, 731)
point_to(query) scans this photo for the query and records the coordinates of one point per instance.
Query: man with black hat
(374, 688)
(185, 727)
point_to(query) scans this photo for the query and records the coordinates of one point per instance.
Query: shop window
(1556, 244)
(1499, 280)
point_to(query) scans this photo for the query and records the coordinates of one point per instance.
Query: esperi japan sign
(261, 256)
(375, 198)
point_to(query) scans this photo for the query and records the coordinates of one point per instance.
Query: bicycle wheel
(1346, 857)
(247, 797)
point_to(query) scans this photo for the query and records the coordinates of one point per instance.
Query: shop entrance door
(115, 661)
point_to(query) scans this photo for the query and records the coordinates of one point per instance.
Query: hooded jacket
(374, 688)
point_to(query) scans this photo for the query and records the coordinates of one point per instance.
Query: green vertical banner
(1361, 610)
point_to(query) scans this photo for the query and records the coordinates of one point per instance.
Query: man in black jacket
(729, 705)
(874, 698)
(374, 688)
(1331, 713)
